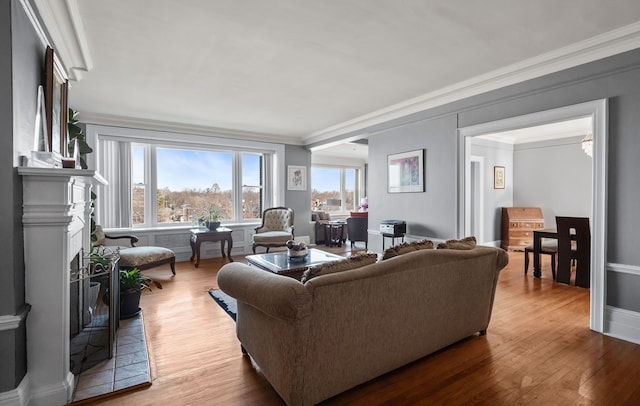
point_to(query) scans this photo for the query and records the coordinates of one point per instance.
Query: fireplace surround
(56, 219)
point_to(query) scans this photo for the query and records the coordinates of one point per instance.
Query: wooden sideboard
(518, 224)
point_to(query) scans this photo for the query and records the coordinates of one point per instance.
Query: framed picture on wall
(405, 172)
(55, 95)
(296, 177)
(498, 177)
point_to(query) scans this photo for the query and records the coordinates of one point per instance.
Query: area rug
(225, 301)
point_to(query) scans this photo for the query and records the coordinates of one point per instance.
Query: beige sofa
(315, 340)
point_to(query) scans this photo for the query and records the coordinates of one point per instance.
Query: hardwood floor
(538, 351)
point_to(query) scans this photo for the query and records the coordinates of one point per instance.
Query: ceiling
(303, 71)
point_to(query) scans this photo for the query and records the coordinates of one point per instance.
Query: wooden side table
(200, 235)
(333, 232)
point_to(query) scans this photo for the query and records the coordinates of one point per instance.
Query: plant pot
(129, 304)
(212, 225)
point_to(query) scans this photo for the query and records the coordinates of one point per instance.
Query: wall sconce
(587, 145)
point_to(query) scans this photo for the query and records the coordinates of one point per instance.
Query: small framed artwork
(55, 94)
(498, 177)
(405, 172)
(296, 177)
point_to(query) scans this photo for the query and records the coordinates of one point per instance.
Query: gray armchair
(276, 228)
(357, 230)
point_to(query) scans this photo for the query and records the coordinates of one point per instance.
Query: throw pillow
(406, 247)
(353, 262)
(423, 245)
(323, 215)
(467, 243)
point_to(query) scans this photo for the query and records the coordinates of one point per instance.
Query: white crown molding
(599, 47)
(35, 22)
(183, 128)
(64, 25)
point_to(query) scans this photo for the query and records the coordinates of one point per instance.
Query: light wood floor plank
(538, 351)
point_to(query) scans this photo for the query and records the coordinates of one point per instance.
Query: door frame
(479, 204)
(598, 111)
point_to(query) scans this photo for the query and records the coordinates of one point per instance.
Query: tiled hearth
(128, 369)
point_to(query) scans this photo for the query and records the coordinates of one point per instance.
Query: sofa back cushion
(467, 243)
(406, 247)
(352, 262)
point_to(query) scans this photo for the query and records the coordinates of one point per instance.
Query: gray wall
(20, 74)
(432, 214)
(495, 154)
(616, 78)
(555, 176)
(299, 200)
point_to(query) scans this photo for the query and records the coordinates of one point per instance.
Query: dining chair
(548, 248)
(574, 243)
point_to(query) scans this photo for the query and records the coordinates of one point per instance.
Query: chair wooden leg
(173, 265)
(526, 261)
(553, 266)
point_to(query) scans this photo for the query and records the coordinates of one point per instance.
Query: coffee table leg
(222, 248)
(229, 246)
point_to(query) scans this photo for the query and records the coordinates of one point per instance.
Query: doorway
(597, 111)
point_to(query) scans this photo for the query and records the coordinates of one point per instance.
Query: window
(251, 186)
(192, 181)
(333, 189)
(138, 184)
(152, 185)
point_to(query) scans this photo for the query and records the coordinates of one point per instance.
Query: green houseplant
(132, 282)
(210, 217)
(75, 134)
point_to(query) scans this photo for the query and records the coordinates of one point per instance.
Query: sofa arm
(276, 295)
(503, 259)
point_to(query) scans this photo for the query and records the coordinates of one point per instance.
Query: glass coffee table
(279, 262)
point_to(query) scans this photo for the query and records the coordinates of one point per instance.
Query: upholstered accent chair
(136, 257)
(276, 228)
(357, 230)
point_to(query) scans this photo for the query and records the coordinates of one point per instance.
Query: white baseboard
(17, 396)
(622, 324)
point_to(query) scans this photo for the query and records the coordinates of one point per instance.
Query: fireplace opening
(92, 320)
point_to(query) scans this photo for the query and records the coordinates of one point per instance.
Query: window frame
(272, 167)
(357, 185)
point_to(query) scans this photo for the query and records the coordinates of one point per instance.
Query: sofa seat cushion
(141, 257)
(352, 262)
(272, 237)
(467, 243)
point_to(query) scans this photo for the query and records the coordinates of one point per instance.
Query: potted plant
(77, 139)
(210, 217)
(132, 282)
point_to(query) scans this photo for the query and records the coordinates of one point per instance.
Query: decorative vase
(212, 225)
(297, 255)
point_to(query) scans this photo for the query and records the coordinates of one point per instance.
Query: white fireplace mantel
(56, 212)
